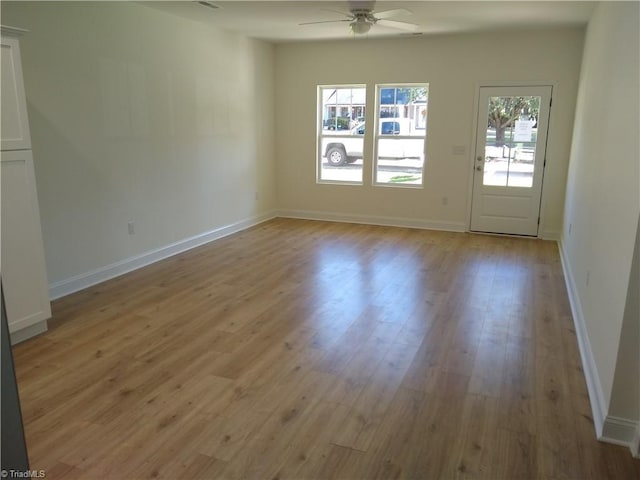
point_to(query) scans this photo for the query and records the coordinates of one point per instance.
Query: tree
(415, 93)
(402, 95)
(504, 111)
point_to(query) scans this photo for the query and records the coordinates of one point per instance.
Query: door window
(511, 135)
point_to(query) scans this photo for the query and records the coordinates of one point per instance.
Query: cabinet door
(15, 123)
(23, 267)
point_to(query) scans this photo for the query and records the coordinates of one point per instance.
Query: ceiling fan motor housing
(363, 15)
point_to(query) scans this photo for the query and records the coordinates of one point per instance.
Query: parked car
(347, 147)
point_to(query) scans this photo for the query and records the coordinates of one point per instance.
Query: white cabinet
(15, 124)
(22, 262)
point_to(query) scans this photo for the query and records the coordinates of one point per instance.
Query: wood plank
(302, 349)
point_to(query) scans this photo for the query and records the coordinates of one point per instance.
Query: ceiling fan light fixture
(360, 26)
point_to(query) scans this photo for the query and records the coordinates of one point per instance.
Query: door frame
(473, 139)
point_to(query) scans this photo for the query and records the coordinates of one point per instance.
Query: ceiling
(278, 21)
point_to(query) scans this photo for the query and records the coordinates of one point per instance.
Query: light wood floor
(310, 350)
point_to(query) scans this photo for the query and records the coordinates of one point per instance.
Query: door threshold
(498, 234)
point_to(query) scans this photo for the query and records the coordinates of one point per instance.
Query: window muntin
(341, 113)
(400, 134)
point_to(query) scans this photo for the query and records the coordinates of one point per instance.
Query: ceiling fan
(362, 19)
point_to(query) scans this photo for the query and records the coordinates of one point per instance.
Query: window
(400, 134)
(398, 137)
(341, 112)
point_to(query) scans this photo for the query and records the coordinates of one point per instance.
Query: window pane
(402, 127)
(511, 141)
(341, 137)
(400, 160)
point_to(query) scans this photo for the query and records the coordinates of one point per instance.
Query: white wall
(137, 115)
(603, 204)
(625, 392)
(453, 66)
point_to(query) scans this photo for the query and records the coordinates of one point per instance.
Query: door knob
(479, 168)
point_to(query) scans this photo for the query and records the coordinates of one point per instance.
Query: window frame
(378, 135)
(320, 132)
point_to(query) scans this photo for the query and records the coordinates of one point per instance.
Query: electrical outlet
(445, 201)
(131, 228)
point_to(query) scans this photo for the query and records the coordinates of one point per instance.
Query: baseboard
(85, 280)
(596, 395)
(375, 220)
(550, 235)
(635, 445)
(619, 431)
(28, 332)
(610, 429)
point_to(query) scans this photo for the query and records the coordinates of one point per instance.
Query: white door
(509, 159)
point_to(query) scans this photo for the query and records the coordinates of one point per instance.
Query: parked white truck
(346, 147)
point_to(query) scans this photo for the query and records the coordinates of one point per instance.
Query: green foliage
(414, 93)
(404, 178)
(504, 111)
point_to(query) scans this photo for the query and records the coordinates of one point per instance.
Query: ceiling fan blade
(344, 14)
(397, 12)
(348, 17)
(410, 27)
(326, 21)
